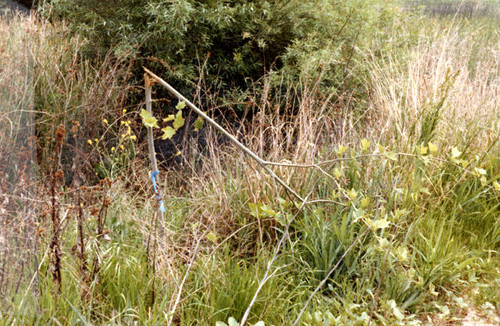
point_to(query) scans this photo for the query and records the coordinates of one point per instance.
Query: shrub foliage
(226, 44)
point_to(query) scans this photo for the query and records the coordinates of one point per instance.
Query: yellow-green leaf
(432, 290)
(148, 120)
(455, 153)
(365, 202)
(212, 237)
(254, 211)
(402, 253)
(169, 118)
(424, 190)
(267, 210)
(422, 150)
(432, 148)
(399, 213)
(383, 243)
(461, 302)
(168, 132)
(341, 150)
(198, 124)
(496, 185)
(365, 144)
(353, 194)
(181, 105)
(179, 120)
(480, 171)
(336, 173)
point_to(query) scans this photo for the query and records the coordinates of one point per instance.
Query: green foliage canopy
(233, 42)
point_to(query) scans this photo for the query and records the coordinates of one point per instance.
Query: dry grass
(405, 92)
(17, 211)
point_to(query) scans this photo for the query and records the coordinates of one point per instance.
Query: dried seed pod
(59, 175)
(60, 132)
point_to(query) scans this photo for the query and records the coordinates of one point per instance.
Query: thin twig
(151, 145)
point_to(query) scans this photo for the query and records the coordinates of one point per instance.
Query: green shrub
(224, 46)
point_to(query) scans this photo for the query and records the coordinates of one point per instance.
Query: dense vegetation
(384, 123)
(223, 47)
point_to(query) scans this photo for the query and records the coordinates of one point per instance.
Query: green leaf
(383, 243)
(399, 213)
(424, 190)
(179, 120)
(181, 105)
(233, 322)
(402, 254)
(168, 132)
(220, 323)
(364, 318)
(260, 323)
(395, 310)
(357, 214)
(198, 124)
(267, 210)
(318, 315)
(432, 290)
(148, 120)
(332, 320)
(391, 155)
(365, 202)
(212, 237)
(425, 160)
(281, 219)
(80, 316)
(380, 224)
(253, 210)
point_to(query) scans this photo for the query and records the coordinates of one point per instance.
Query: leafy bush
(225, 45)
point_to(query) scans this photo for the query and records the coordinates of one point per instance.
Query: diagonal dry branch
(235, 141)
